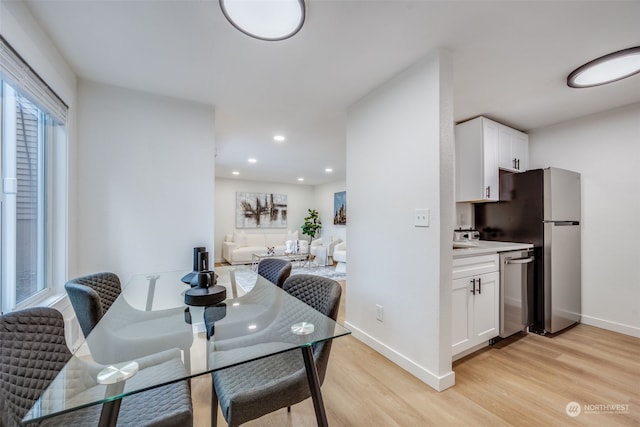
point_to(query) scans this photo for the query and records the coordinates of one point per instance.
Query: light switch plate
(421, 218)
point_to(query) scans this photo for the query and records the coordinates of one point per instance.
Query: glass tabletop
(149, 338)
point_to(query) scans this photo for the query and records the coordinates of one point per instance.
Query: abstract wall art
(261, 210)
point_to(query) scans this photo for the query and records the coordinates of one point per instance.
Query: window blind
(15, 69)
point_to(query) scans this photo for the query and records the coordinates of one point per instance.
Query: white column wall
(146, 170)
(400, 157)
(605, 149)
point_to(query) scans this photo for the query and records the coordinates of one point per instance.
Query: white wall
(145, 180)
(24, 34)
(323, 195)
(300, 198)
(400, 157)
(605, 149)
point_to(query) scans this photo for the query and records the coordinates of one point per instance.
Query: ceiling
(510, 59)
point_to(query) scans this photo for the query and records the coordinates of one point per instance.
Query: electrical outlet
(421, 218)
(379, 312)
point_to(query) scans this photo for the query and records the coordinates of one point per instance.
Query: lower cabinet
(475, 302)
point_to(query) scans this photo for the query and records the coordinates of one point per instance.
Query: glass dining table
(262, 321)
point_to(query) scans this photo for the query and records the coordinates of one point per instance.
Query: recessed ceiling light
(252, 160)
(328, 170)
(606, 69)
(300, 179)
(235, 173)
(269, 20)
(279, 138)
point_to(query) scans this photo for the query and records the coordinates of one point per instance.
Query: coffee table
(292, 257)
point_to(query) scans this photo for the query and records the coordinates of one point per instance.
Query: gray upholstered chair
(32, 352)
(274, 270)
(92, 295)
(254, 389)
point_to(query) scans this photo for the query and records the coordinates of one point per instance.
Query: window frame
(51, 183)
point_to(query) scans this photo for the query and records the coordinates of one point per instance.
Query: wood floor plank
(526, 382)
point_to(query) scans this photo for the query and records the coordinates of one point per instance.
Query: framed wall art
(340, 208)
(261, 210)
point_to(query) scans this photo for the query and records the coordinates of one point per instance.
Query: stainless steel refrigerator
(542, 207)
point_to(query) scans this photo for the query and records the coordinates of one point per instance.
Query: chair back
(32, 352)
(91, 296)
(274, 270)
(323, 294)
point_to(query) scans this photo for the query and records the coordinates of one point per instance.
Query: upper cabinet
(484, 146)
(513, 149)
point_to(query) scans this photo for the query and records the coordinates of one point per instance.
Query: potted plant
(312, 225)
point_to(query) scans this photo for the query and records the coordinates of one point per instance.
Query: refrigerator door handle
(526, 260)
(563, 223)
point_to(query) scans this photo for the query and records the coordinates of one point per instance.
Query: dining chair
(254, 389)
(33, 351)
(274, 270)
(92, 295)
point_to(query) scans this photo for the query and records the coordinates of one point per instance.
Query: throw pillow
(240, 238)
(292, 235)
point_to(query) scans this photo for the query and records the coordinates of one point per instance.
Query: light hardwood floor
(526, 382)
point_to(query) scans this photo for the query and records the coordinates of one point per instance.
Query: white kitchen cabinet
(513, 149)
(484, 146)
(475, 302)
(477, 160)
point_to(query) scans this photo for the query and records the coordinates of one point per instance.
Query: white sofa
(340, 256)
(238, 247)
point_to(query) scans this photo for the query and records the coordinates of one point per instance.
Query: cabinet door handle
(518, 164)
(473, 286)
(488, 192)
(479, 286)
(515, 163)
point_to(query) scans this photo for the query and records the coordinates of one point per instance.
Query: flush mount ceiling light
(270, 20)
(606, 69)
(279, 138)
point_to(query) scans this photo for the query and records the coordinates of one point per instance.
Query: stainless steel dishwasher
(516, 279)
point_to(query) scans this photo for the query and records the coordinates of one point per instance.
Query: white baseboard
(439, 383)
(611, 326)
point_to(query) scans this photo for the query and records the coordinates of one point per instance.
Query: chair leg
(214, 405)
(187, 358)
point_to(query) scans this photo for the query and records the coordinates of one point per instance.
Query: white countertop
(487, 247)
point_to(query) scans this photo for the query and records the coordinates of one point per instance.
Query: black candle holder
(205, 292)
(197, 265)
